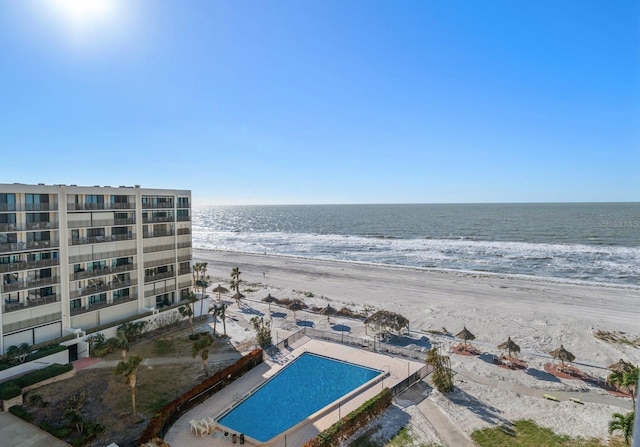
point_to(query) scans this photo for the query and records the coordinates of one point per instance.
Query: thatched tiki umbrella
(509, 346)
(220, 290)
(562, 354)
(269, 299)
(328, 311)
(621, 366)
(386, 319)
(295, 306)
(238, 296)
(466, 335)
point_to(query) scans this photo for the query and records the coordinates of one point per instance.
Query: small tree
(128, 369)
(623, 423)
(263, 331)
(625, 379)
(187, 310)
(119, 342)
(18, 353)
(201, 347)
(235, 279)
(442, 376)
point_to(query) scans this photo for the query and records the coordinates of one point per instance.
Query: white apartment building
(76, 257)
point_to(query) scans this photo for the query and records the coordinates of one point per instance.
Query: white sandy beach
(538, 315)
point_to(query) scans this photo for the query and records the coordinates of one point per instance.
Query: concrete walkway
(214, 360)
(14, 432)
(446, 430)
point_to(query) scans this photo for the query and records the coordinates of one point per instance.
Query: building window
(76, 304)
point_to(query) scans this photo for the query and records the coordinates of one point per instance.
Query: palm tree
(223, 315)
(623, 423)
(201, 347)
(19, 352)
(119, 342)
(214, 311)
(128, 369)
(625, 379)
(235, 282)
(201, 280)
(187, 310)
(442, 376)
(466, 335)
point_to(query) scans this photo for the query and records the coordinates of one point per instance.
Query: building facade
(74, 257)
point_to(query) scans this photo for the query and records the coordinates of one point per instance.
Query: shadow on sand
(341, 328)
(278, 315)
(542, 375)
(403, 341)
(484, 411)
(304, 323)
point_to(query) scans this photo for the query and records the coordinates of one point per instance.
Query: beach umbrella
(295, 306)
(238, 296)
(466, 335)
(509, 346)
(562, 354)
(270, 299)
(391, 320)
(328, 311)
(621, 366)
(220, 290)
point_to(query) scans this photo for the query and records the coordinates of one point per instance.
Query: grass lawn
(529, 434)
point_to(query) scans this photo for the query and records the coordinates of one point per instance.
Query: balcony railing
(104, 287)
(159, 290)
(155, 248)
(31, 226)
(28, 207)
(184, 271)
(84, 274)
(165, 261)
(100, 256)
(22, 246)
(13, 305)
(183, 258)
(148, 235)
(26, 265)
(159, 276)
(182, 231)
(184, 218)
(101, 206)
(101, 239)
(101, 223)
(102, 304)
(148, 205)
(21, 284)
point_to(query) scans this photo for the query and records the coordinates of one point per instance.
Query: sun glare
(84, 13)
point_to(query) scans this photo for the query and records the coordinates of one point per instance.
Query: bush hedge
(21, 412)
(13, 388)
(9, 390)
(354, 421)
(35, 355)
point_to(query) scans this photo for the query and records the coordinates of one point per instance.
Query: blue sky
(325, 101)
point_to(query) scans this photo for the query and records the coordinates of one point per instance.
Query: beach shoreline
(539, 316)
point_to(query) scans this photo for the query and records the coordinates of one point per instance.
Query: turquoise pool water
(306, 385)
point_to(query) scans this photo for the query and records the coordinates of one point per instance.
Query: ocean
(572, 242)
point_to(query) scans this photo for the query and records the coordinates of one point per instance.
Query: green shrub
(9, 390)
(42, 374)
(21, 412)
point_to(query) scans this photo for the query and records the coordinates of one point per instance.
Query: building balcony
(102, 286)
(15, 305)
(184, 218)
(84, 274)
(148, 235)
(156, 248)
(182, 231)
(159, 290)
(184, 258)
(28, 265)
(102, 304)
(101, 239)
(102, 255)
(159, 276)
(22, 284)
(89, 223)
(32, 226)
(101, 206)
(157, 205)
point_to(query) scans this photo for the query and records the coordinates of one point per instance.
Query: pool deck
(180, 435)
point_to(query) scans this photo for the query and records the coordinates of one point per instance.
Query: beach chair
(550, 397)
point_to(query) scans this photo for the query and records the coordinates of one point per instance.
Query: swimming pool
(306, 385)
